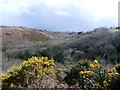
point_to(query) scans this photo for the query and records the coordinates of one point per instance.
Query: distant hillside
(20, 43)
(18, 34)
(114, 30)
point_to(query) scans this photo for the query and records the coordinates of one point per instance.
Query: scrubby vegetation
(83, 75)
(99, 44)
(91, 76)
(28, 72)
(85, 60)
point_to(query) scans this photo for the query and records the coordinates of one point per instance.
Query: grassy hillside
(64, 47)
(78, 57)
(18, 34)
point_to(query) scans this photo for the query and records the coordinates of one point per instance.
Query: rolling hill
(20, 43)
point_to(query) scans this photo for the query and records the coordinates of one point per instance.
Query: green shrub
(73, 77)
(99, 79)
(117, 67)
(115, 83)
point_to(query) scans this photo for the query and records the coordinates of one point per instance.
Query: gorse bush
(117, 67)
(91, 76)
(85, 74)
(73, 77)
(99, 79)
(58, 53)
(28, 72)
(114, 78)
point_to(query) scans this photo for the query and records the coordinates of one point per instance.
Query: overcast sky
(59, 15)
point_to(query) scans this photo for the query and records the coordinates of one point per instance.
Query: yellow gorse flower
(34, 67)
(95, 65)
(95, 61)
(59, 70)
(89, 73)
(105, 84)
(98, 86)
(110, 71)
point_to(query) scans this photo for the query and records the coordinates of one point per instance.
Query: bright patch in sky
(60, 15)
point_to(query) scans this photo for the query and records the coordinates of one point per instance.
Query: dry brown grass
(18, 34)
(36, 36)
